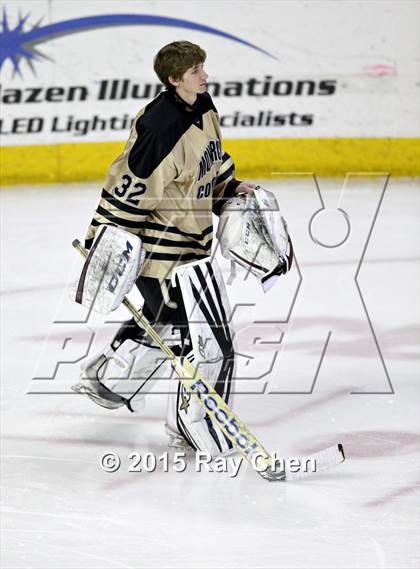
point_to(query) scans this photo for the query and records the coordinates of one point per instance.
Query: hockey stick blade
(322, 460)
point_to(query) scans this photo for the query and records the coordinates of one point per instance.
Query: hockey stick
(220, 412)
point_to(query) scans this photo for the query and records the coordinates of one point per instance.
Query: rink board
(265, 157)
(294, 91)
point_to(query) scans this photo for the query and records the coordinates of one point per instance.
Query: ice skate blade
(95, 397)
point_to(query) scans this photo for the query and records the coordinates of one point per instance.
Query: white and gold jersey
(167, 182)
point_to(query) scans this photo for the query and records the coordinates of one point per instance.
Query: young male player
(170, 178)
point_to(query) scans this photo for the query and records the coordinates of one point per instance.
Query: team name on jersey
(212, 153)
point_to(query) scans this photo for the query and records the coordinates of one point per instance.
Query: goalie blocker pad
(253, 234)
(110, 269)
(208, 314)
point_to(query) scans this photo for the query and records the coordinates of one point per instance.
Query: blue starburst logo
(18, 44)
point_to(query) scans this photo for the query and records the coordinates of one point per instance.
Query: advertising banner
(278, 71)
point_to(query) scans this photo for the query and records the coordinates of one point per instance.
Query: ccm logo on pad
(122, 265)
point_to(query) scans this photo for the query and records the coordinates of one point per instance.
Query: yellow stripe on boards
(254, 158)
(78, 162)
(268, 158)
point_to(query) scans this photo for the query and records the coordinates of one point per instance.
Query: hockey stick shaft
(194, 382)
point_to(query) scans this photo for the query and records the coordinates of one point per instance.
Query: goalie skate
(121, 374)
(101, 395)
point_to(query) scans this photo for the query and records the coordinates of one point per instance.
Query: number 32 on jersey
(134, 191)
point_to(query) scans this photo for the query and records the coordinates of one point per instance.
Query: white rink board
(358, 61)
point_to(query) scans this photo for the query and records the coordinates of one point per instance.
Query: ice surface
(312, 375)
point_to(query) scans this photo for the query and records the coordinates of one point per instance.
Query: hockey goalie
(153, 229)
(190, 312)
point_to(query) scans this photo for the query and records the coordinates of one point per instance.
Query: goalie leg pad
(208, 315)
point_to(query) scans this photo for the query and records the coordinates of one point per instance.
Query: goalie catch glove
(253, 234)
